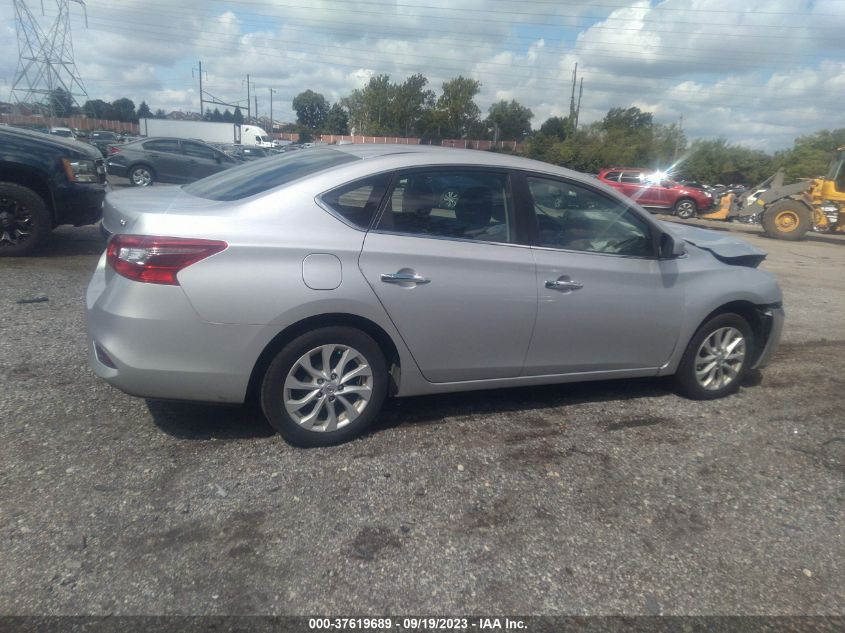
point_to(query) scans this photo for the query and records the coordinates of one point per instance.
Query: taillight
(157, 260)
(114, 150)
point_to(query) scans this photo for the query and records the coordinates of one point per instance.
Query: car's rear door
(459, 290)
(165, 156)
(606, 303)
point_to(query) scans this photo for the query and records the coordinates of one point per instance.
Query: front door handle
(404, 278)
(563, 284)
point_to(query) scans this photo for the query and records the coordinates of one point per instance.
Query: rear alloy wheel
(717, 358)
(787, 219)
(685, 209)
(325, 387)
(24, 220)
(141, 176)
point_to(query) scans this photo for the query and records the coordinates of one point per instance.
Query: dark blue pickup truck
(45, 181)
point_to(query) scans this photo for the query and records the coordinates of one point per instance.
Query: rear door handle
(563, 284)
(404, 278)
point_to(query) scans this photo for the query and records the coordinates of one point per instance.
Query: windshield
(248, 180)
(266, 139)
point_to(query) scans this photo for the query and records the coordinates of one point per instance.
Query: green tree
(217, 116)
(411, 100)
(124, 110)
(556, 127)
(97, 109)
(160, 114)
(810, 155)
(238, 116)
(227, 116)
(337, 121)
(511, 120)
(311, 109)
(458, 105)
(144, 111)
(61, 102)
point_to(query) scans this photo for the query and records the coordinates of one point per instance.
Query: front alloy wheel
(720, 358)
(717, 358)
(449, 199)
(325, 386)
(24, 220)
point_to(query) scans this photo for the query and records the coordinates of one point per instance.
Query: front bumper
(78, 203)
(773, 317)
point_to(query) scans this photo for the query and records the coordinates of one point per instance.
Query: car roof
(442, 155)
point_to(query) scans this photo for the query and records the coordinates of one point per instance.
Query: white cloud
(762, 73)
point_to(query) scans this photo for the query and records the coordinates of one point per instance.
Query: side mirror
(670, 248)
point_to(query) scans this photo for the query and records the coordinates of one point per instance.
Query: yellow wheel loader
(787, 212)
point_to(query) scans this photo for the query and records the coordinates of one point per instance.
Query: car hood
(123, 208)
(724, 247)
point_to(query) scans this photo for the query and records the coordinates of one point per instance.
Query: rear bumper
(773, 318)
(148, 341)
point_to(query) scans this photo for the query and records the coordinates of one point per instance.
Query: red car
(650, 190)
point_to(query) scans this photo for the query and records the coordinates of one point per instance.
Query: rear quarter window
(358, 201)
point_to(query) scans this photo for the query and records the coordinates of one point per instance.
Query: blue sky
(759, 75)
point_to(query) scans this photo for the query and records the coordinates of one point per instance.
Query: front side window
(474, 205)
(612, 175)
(573, 217)
(358, 202)
(196, 150)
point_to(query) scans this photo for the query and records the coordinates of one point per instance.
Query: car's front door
(606, 302)
(459, 291)
(203, 160)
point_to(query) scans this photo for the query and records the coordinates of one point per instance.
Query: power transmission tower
(46, 64)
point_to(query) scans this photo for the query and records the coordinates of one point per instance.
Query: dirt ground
(606, 498)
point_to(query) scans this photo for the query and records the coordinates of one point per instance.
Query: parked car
(64, 132)
(656, 191)
(246, 152)
(170, 160)
(320, 282)
(102, 139)
(45, 181)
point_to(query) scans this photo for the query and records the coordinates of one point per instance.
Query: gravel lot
(614, 497)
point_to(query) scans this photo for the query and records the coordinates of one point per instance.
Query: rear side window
(261, 175)
(358, 202)
(632, 177)
(612, 175)
(472, 205)
(163, 145)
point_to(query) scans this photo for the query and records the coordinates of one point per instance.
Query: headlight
(708, 194)
(80, 170)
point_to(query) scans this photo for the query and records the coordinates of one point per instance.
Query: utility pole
(678, 140)
(578, 108)
(202, 102)
(256, 106)
(572, 98)
(272, 90)
(248, 112)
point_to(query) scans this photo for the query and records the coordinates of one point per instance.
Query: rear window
(258, 176)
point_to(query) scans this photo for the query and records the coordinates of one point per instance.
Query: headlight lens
(80, 170)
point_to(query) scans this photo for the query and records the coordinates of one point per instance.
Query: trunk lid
(122, 209)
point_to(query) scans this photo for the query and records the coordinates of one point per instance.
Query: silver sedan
(320, 282)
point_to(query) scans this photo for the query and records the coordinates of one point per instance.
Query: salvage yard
(602, 498)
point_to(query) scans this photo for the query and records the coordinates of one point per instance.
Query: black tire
(141, 175)
(273, 387)
(685, 376)
(685, 208)
(787, 219)
(25, 222)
